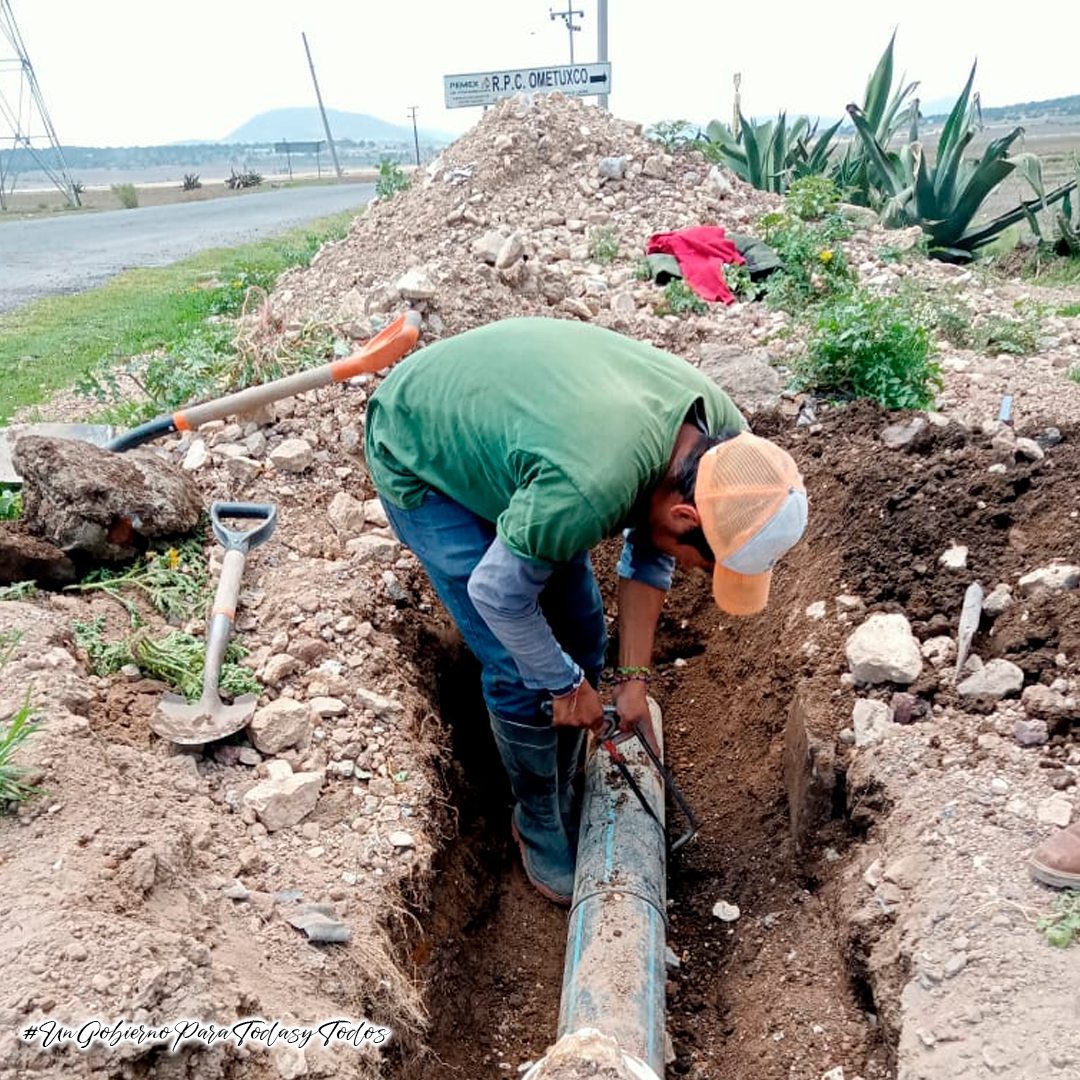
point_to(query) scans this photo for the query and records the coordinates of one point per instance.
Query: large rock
(1057, 577)
(1048, 704)
(415, 284)
(997, 679)
(488, 246)
(26, 558)
(279, 725)
(284, 801)
(884, 650)
(100, 503)
(513, 248)
(751, 381)
(872, 721)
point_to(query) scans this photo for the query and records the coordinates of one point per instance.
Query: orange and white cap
(752, 504)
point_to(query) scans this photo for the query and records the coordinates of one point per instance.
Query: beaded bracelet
(624, 675)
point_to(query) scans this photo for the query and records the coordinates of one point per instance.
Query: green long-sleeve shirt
(552, 429)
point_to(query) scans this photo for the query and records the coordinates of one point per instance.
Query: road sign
(487, 87)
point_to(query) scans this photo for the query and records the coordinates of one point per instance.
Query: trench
(772, 997)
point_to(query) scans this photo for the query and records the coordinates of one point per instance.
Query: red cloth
(701, 252)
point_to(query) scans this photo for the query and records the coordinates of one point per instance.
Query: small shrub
(641, 270)
(814, 267)
(19, 590)
(1074, 373)
(126, 193)
(1069, 311)
(603, 244)
(10, 504)
(191, 182)
(680, 299)
(248, 178)
(812, 197)
(77, 187)
(672, 135)
(868, 346)
(739, 282)
(392, 179)
(1017, 336)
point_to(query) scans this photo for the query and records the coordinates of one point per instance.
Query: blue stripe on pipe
(650, 988)
(578, 939)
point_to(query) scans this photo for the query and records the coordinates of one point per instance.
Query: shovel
(210, 718)
(385, 348)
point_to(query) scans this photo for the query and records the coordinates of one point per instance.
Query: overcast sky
(124, 72)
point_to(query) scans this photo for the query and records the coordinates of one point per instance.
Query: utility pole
(568, 17)
(24, 118)
(415, 137)
(318, 97)
(601, 43)
(736, 109)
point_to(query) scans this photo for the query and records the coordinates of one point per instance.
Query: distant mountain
(1062, 106)
(305, 124)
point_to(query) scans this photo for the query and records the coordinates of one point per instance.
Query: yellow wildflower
(173, 558)
(826, 256)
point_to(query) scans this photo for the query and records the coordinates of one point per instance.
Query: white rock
(293, 455)
(999, 786)
(290, 1061)
(1048, 703)
(503, 142)
(834, 1074)
(281, 803)
(346, 515)
(884, 649)
(401, 839)
(612, 168)
(511, 252)
(372, 548)
(846, 602)
(1029, 449)
(939, 650)
(375, 514)
(816, 610)
(278, 769)
(328, 706)
(489, 245)
(1057, 577)
(726, 912)
(998, 600)
(1056, 810)
(281, 724)
(381, 706)
(278, 668)
(416, 284)
(196, 457)
(955, 557)
(656, 167)
(996, 679)
(872, 721)
(719, 182)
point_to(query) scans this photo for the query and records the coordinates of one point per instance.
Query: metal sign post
(488, 87)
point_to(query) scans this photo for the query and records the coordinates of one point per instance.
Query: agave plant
(769, 155)
(945, 196)
(886, 110)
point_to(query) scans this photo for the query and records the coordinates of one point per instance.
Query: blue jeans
(449, 541)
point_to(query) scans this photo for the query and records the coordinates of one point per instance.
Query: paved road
(70, 253)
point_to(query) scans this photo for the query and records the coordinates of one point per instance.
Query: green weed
(812, 197)
(641, 270)
(1062, 928)
(392, 179)
(13, 735)
(19, 590)
(1069, 310)
(174, 581)
(603, 244)
(739, 282)
(1018, 336)
(672, 135)
(814, 267)
(10, 504)
(868, 346)
(680, 299)
(126, 193)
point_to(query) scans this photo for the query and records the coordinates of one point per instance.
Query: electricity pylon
(25, 126)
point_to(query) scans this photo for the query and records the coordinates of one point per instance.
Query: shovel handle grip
(222, 615)
(234, 539)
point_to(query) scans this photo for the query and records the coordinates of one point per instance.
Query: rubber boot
(530, 755)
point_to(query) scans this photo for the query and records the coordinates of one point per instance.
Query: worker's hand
(632, 703)
(580, 708)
